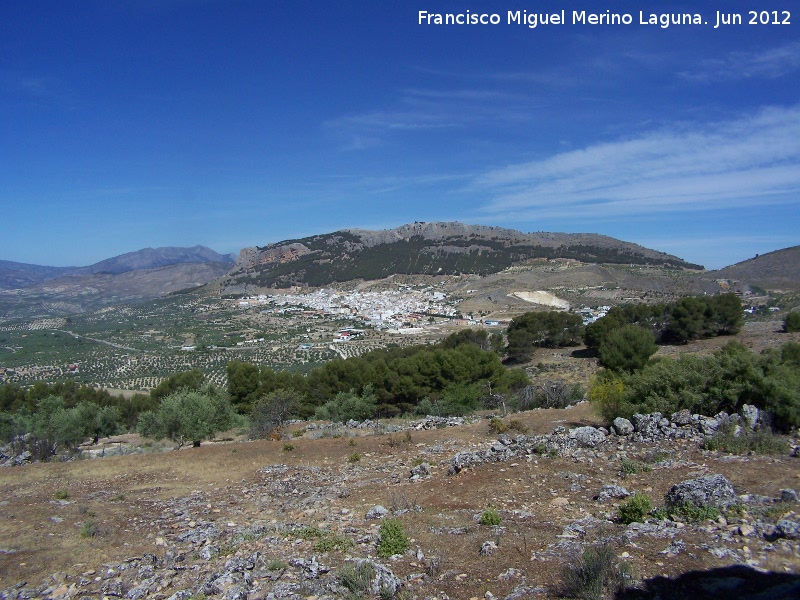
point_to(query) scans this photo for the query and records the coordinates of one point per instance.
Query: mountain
(27, 290)
(426, 249)
(775, 270)
(151, 258)
(15, 275)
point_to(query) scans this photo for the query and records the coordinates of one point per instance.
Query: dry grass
(128, 499)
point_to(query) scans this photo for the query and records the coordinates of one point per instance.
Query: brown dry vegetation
(141, 503)
(131, 498)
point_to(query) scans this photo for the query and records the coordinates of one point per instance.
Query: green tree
(627, 349)
(193, 380)
(243, 384)
(727, 316)
(688, 319)
(792, 322)
(347, 405)
(271, 411)
(550, 329)
(188, 416)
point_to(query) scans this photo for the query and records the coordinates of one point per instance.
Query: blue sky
(128, 124)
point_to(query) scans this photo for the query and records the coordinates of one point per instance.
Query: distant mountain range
(774, 270)
(601, 264)
(427, 249)
(15, 275)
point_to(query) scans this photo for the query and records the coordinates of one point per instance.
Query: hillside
(426, 249)
(775, 270)
(80, 293)
(284, 519)
(34, 290)
(14, 275)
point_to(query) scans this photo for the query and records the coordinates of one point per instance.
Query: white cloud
(767, 64)
(750, 161)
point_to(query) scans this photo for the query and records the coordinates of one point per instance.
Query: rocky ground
(295, 518)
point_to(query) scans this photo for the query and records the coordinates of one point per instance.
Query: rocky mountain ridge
(437, 248)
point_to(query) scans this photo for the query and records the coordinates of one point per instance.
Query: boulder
(622, 426)
(681, 418)
(588, 437)
(421, 471)
(612, 492)
(646, 425)
(488, 548)
(709, 491)
(376, 512)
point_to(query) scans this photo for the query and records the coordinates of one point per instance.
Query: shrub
(635, 509)
(627, 349)
(347, 406)
(354, 458)
(690, 512)
(596, 572)
(553, 393)
(287, 447)
(357, 577)
(393, 539)
(762, 441)
(629, 467)
(276, 565)
(792, 322)
(490, 517)
(517, 425)
(90, 529)
(496, 425)
(61, 494)
(608, 397)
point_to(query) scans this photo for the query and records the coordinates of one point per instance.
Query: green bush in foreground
(635, 509)
(490, 517)
(792, 322)
(596, 572)
(357, 578)
(393, 539)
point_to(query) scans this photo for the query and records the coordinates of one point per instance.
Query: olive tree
(188, 416)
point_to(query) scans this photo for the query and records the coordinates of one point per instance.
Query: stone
(789, 496)
(746, 530)
(751, 415)
(787, 529)
(709, 491)
(420, 471)
(488, 548)
(622, 426)
(376, 512)
(384, 582)
(681, 418)
(646, 425)
(589, 437)
(208, 552)
(611, 492)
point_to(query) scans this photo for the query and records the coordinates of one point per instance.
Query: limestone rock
(623, 426)
(712, 490)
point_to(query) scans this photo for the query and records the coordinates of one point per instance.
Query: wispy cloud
(426, 110)
(771, 63)
(750, 161)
